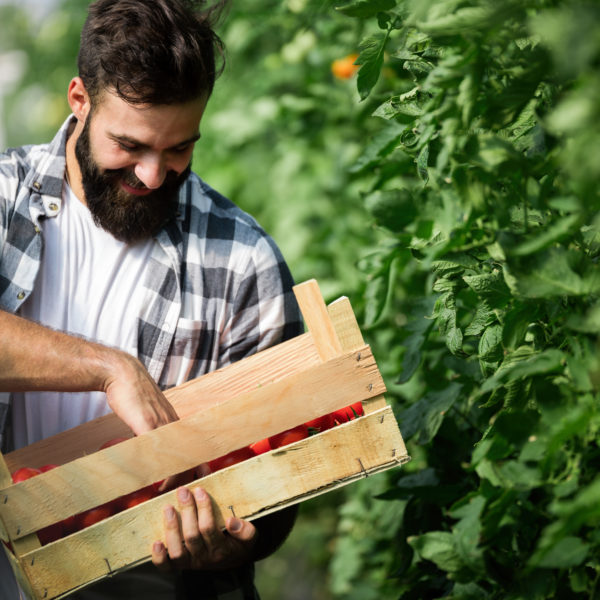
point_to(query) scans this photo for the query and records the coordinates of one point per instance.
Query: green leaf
(516, 322)
(468, 531)
(569, 552)
(484, 316)
(411, 103)
(371, 59)
(422, 163)
(426, 415)
(518, 475)
(549, 274)
(564, 227)
(517, 366)
(380, 292)
(490, 343)
(420, 326)
(460, 21)
(454, 340)
(393, 209)
(363, 9)
(438, 547)
(489, 285)
(467, 591)
(381, 145)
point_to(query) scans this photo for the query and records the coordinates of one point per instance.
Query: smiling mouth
(135, 191)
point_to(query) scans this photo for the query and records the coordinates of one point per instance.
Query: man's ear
(79, 99)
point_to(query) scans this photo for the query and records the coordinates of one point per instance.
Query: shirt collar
(49, 171)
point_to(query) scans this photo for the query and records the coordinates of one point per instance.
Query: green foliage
(484, 171)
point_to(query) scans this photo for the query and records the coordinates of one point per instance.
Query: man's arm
(35, 358)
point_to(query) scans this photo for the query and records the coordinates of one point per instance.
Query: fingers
(193, 539)
(243, 531)
(212, 536)
(176, 548)
(160, 557)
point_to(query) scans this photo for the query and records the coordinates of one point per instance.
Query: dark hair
(151, 51)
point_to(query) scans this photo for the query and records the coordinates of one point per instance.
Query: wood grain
(251, 489)
(176, 447)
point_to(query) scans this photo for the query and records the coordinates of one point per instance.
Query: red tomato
(137, 497)
(69, 525)
(113, 442)
(261, 446)
(24, 473)
(94, 515)
(45, 468)
(50, 533)
(289, 436)
(232, 458)
(157, 485)
(348, 413)
(320, 424)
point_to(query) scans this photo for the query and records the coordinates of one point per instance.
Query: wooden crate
(323, 370)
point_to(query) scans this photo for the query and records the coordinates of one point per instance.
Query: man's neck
(73, 172)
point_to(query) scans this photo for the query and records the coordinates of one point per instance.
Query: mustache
(131, 179)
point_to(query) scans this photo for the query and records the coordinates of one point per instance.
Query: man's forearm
(33, 357)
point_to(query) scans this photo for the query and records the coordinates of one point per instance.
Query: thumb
(240, 529)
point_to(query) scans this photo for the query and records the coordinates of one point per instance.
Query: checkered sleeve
(264, 311)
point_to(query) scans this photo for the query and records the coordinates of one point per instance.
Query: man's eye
(181, 149)
(127, 147)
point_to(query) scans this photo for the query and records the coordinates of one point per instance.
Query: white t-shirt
(88, 285)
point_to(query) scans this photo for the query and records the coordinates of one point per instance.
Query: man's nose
(151, 171)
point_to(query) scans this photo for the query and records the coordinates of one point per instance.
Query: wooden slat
(5, 480)
(317, 319)
(117, 470)
(211, 389)
(350, 336)
(20, 575)
(23, 545)
(256, 487)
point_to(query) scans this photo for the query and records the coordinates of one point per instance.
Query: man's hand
(134, 396)
(193, 540)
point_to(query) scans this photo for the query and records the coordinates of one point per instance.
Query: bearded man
(122, 273)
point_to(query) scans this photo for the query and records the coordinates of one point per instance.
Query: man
(122, 274)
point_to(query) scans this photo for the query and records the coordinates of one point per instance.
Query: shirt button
(37, 229)
(20, 295)
(53, 206)
(37, 185)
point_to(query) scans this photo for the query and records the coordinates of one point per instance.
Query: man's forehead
(172, 124)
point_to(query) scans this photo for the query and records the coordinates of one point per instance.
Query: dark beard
(127, 217)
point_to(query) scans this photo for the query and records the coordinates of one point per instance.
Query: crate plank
(317, 319)
(251, 489)
(350, 336)
(20, 575)
(25, 544)
(176, 447)
(272, 364)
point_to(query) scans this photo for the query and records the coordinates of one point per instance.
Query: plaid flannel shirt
(218, 290)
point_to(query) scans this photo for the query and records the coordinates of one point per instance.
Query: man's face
(133, 160)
